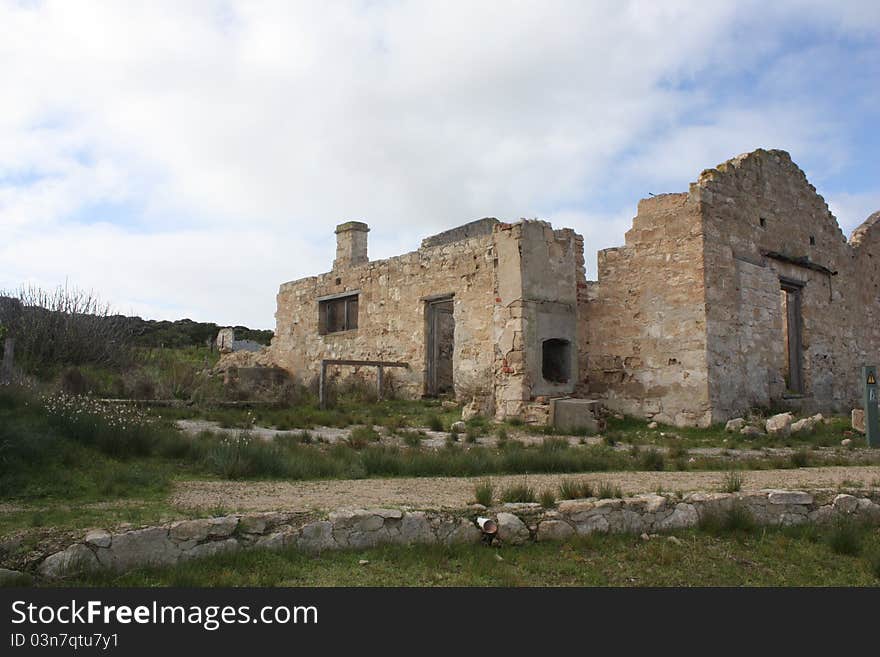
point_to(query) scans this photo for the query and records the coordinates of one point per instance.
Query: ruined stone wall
(391, 316)
(643, 333)
(760, 215)
(512, 286)
(537, 278)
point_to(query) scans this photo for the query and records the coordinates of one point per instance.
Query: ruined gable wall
(391, 316)
(745, 323)
(643, 331)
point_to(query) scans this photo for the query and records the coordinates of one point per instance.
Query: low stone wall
(517, 524)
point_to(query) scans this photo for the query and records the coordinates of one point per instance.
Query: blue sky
(184, 159)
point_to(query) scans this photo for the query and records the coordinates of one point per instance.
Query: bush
(609, 491)
(571, 489)
(484, 493)
(733, 482)
(653, 460)
(435, 423)
(360, 437)
(800, 459)
(737, 518)
(845, 537)
(64, 327)
(518, 493)
(548, 498)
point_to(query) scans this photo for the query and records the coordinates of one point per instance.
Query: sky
(183, 159)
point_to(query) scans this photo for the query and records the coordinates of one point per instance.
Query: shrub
(64, 327)
(484, 493)
(571, 489)
(548, 498)
(845, 537)
(360, 437)
(411, 438)
(733, 482)
(471, 435)
(800, 459)
(737, 518)
(518, 493)
(609, 491)
(435, 423)
(653, 460)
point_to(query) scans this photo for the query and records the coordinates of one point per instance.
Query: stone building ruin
(741, 292)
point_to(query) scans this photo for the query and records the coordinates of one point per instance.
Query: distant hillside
(183, 332)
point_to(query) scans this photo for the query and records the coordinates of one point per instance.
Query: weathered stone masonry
(517, 524)
(510, 287)
(742, 292)
(689, 324)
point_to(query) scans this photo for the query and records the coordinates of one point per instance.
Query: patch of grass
(607, 490)
(518, 493)
(547, 498)
(572, 489)
(845, 537)
(733, 482)
(736, 519)
(435, 423)
(653, 460)
(484, 493)
(360, 437)
(800, 459)
(411, 438)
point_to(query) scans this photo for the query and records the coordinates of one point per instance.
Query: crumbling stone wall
(764, 222)
(512, 286)
(644, 321)
(518, 523)
(391, 315)
(687, 322)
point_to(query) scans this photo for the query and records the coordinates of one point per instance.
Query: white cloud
(235, 135)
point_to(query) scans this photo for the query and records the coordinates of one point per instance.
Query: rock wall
(517, 524)
(391, 316)
(512, 286)
(687, 322)
(644, 327)
(764, 223)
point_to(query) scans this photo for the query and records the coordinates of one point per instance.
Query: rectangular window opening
(339, 314)
(792, 333)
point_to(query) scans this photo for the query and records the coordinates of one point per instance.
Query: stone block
(574, 415)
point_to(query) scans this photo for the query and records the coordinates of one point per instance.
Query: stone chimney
(351, 244)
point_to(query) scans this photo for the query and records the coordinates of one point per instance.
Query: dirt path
(456, 492)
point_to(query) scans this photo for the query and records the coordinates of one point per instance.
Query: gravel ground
(456, 492)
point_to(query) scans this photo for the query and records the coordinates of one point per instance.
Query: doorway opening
(440, 346)
(792, 333)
